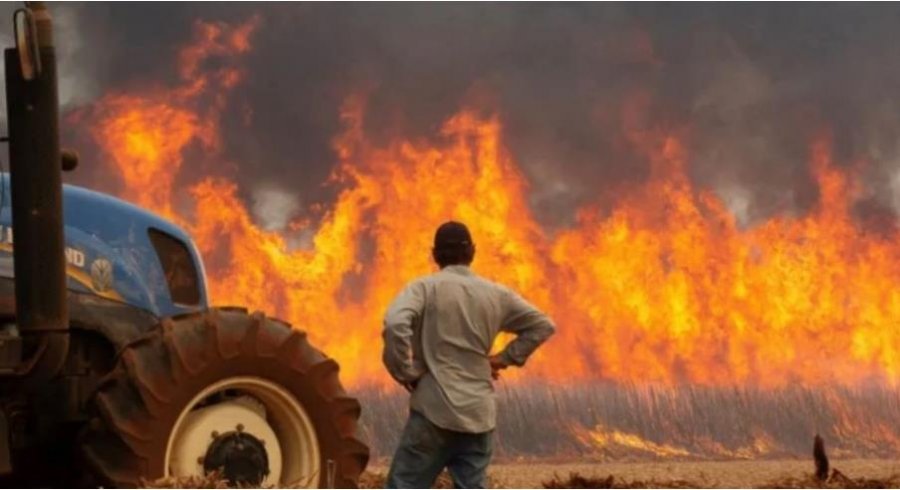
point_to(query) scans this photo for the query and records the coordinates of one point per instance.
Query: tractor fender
(119, 323)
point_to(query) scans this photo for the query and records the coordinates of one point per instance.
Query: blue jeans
(426, 449)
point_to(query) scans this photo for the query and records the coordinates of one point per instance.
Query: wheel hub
(277, 445)
(241, 457)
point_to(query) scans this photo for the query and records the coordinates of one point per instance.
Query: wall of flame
(664, 287)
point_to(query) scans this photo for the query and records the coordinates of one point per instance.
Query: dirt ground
(702, 474)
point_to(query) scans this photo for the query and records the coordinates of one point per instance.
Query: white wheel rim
(283, 426)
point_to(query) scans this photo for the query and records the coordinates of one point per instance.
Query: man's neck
(457, 268)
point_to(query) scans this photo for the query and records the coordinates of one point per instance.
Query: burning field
(685, 331)
(616, 423)
(665, 287)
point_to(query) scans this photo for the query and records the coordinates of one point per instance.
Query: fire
(613, 441)
(147, 134)
(690, 296)
(665, 287)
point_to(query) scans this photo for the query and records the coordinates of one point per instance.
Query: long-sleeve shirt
(438, 334)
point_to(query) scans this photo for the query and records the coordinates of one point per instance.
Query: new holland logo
(101, 275)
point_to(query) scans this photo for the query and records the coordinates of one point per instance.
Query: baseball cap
(452, 234)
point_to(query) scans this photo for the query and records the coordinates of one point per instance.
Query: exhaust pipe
(36, 182)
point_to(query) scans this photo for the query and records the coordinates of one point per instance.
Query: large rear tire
(235, 373)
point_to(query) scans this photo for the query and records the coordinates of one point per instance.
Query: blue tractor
(114, 369)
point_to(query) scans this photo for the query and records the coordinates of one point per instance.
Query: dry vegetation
(575, 480)
(213, 480)
(722, 474)
(836, 482)
(678, 474)
(611, 436)
(377, 479)
(577, 422)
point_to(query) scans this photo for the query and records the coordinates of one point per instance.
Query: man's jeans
(426, 449)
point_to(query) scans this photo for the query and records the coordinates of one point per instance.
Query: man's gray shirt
(438, 334)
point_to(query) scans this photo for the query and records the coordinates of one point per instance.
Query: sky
(747, 85)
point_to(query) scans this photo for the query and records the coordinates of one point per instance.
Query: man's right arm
(531, 327)
(399, 332)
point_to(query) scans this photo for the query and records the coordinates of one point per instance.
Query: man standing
(438, 335)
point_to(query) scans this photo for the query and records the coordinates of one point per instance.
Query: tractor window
(178, 265)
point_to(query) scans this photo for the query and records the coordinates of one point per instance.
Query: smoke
(273, 207)
(749, 84)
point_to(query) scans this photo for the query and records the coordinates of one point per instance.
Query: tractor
(114, 369)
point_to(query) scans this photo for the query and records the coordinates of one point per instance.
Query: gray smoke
(750, 84)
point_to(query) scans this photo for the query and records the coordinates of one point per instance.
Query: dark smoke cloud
(750, 84)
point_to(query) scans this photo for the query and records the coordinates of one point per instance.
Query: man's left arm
(399, 334)
(531, 327)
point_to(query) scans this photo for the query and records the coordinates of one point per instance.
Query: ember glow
(664, 287)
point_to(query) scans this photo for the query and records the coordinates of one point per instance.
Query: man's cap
(452, 234)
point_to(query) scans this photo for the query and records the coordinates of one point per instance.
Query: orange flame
(613, 441)
(664, 288)
(147, 134)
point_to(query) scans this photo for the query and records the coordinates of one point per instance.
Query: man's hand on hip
(411, 386)
(497, 365)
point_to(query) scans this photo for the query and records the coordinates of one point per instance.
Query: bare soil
(869, 473)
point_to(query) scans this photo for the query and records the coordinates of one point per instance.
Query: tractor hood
(120, 252)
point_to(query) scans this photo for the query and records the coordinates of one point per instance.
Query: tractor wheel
(225, 391)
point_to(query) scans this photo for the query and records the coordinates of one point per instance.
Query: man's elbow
(396, 321)
(548, 329)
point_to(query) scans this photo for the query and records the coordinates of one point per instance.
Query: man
(438, 335)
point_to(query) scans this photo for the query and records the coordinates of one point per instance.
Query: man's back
(438, 334)
(455, 316)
